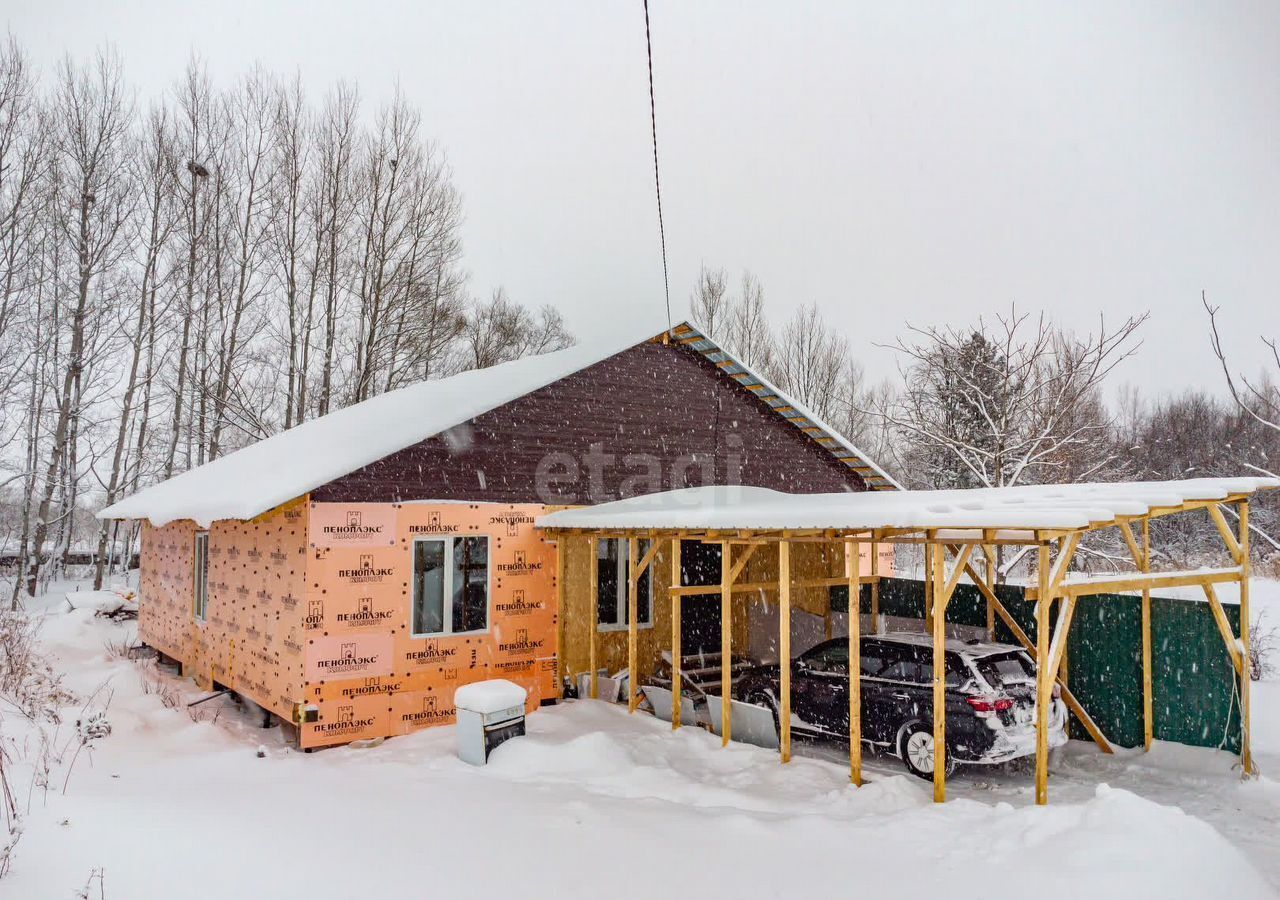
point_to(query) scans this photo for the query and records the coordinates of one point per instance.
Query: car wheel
(915, 746)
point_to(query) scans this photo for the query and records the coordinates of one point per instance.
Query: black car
(990, 697)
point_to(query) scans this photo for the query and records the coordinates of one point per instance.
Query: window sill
(611, 628)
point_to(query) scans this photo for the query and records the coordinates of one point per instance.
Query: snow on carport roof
(1030, 507)
(259, 477)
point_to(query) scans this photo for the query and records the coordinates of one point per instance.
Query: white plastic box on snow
(489, 713)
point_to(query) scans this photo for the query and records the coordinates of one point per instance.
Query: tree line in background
(1015, 399)
(182, 277)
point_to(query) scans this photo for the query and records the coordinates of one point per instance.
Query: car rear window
(1006, 669)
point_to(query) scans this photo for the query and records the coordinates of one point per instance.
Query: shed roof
(275, 470)
(1024, 508)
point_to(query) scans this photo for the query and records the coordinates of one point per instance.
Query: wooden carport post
(561, 665)
(938, 624)
(726, 643)
(633, 611)
(1148, 702)
(677, 684)
(1246, 743)
(852, 569)
(593, 588)
(989, 557)
(784, 648)
(1043, 676)
(942, 587)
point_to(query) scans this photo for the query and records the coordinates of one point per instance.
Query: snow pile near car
(592, 801)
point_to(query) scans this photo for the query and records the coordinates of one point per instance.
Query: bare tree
(749, 333)
(246, 178)
(335, 209)
(709, 302)
(93, 198)
(1259, 399)
(1009, 402)
(195, 103)
(499, 331)
(22, 160)
(292, 148)
(176, 284)
(154, 175)
(809, 359)
(858, 402)
(409, 214)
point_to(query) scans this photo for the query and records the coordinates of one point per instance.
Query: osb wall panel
(365, 672)
(611, 645)
(165, 579)
(250, 640)
(807, 561)
(257, 574)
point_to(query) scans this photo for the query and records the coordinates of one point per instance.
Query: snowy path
(597, 802)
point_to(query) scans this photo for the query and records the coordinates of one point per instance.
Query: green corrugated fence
(1196, 692)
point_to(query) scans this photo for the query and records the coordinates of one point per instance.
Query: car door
(887, 697)
(820, 688)
(903, 689)
(876, 704)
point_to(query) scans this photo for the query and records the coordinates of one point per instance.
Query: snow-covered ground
(596, 802)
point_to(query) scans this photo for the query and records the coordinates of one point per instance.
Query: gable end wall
(661, 417)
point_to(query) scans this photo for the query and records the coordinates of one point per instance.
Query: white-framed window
(200, 576)
(450, 585)
(613, 568)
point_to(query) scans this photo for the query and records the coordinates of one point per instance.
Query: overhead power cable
(657, 181)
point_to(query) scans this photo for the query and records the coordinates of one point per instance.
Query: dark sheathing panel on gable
(653, 407)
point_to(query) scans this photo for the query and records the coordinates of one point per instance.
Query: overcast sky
(928, 165)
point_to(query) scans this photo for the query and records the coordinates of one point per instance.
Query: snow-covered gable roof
(1050, 506)
(251, 481)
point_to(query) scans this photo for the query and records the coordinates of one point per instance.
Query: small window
(613, 569)
(450, 585)
(200, 576)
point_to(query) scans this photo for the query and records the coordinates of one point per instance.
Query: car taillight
(990, 705)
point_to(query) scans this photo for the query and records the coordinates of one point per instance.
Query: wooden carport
(956, 528)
